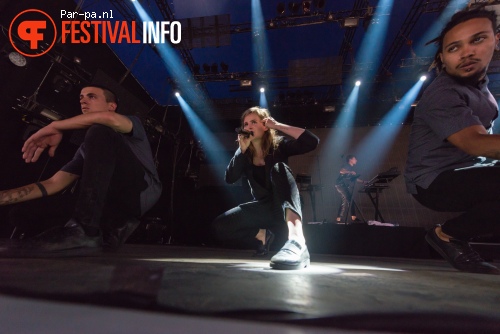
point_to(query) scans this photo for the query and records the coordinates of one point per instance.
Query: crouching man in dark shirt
(451, 131)
(118, 182)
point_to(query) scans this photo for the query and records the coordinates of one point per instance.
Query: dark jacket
(240, 165)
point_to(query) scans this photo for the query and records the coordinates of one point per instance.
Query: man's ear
(497, 39)
(112, 106)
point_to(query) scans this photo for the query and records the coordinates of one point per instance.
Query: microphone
(245, 133)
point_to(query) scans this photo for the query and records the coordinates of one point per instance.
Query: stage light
(77, 60)
(50, 114)
(358, 83)
(350, 22)
(177, 94)
(423, 78)
(330, 17)
(306, 6)
(224, 67)
(214, 68)
(206, 68)
(61, 84)
(245, 83)
(294, 7)
(263, 99)
(280, 8)
(17, 59)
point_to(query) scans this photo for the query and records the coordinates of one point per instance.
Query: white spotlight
(358, 83)
(177, 94)
(17, 59)
(423, 78)
(262, 89)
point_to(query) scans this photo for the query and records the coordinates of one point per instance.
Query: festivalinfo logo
(39, 31)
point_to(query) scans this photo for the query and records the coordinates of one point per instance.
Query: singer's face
(252, 122)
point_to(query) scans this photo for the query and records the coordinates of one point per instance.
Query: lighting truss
(305, 19)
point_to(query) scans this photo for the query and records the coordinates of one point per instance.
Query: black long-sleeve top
(241, 164)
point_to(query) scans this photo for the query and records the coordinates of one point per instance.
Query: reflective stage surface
(164, 288)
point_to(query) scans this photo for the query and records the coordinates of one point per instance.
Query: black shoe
(69, 240)
(460, 255)
(291, 256)
(116, 237)
(263, 250)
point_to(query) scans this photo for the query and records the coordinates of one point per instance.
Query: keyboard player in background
(344, 184)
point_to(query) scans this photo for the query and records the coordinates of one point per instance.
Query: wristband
(42, 189)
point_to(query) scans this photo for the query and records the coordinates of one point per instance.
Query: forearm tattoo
(15, 195)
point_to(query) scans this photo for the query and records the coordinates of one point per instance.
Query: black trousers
(345, 199)
(475, 192)
(109, 189)
(240, 225)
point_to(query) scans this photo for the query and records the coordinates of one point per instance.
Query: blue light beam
(377, 144)
(213, 149)
(370, 51)
(428, 51)
(263, 100)
(177, 69)
(259, 39)
(342, 135)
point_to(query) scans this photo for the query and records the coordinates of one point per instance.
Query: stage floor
(176, 289)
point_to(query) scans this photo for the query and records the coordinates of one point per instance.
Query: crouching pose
(451, 134)
(118, 182)
(262, 158)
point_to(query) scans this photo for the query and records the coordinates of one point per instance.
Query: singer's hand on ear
(270, 123)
